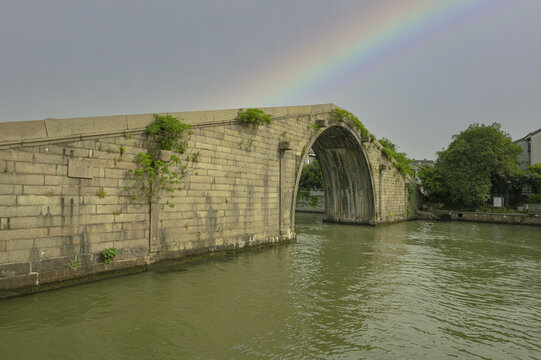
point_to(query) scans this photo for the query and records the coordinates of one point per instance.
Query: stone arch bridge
(63, 198)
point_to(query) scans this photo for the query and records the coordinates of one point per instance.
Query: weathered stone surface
(24, 130)
(17, 282)
(518, 219)
(139, 121)
(81, 168)
(34, 168)
(76, 126)
(22, 234)
(8, 199)
(11, 257)
(12, 270)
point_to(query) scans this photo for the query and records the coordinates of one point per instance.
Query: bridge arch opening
(349, 189)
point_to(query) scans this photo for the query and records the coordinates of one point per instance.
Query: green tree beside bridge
(465, 172)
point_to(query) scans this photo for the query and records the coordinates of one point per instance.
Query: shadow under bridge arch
(349, 189)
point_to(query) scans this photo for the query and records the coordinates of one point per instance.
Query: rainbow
(359, 44)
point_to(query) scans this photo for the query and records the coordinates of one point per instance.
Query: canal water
(410, 290)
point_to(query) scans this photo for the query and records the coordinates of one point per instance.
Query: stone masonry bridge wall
(241, 193)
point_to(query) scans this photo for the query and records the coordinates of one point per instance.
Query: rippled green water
(410, 290)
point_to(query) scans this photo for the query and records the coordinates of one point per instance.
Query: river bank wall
(485, 217)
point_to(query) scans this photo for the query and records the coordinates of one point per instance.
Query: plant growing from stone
(101, 193)
(74, 264)
(411, 194)
(391, 151)
(109, 254)
(338, 115)
(169, 132)
(156, 177)
(248, 145)
(195, 157)
(285, 136)
(254, 117)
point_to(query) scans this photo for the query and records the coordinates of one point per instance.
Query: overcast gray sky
(427, 69)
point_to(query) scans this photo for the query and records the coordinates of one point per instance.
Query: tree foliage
(533, 176)
(311, 177)
(433, 183)
(475, 159)
(534, 199)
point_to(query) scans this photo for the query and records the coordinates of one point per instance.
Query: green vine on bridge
(389, 149)
(254, 117)
(411, 197)
(402, 161)
(338, 115)
(169, 132)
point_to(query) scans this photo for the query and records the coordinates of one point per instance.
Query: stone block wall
(231, 196)
(63, 197)
(48, 218)
(391, 187)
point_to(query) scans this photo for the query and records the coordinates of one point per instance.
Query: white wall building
(311, 157)
(531, 145)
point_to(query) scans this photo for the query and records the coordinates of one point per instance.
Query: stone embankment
(484, 217)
